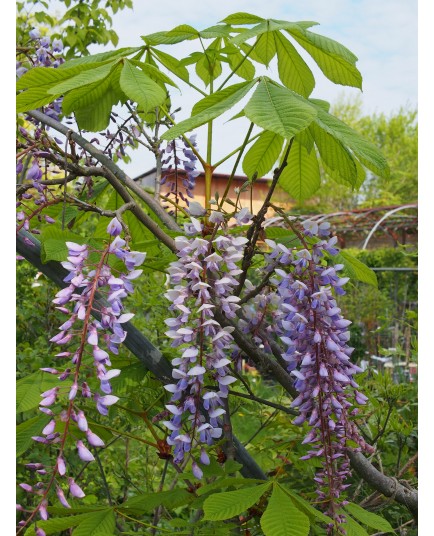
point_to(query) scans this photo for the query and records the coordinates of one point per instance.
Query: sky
(382, 34)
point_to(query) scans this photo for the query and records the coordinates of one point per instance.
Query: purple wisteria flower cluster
(30, 165)
(316, 338)
(202, 279)
(87, 343)
(31, 202)
(43, 52)
(178, 155)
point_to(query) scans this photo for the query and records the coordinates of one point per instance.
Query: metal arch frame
(380, 221)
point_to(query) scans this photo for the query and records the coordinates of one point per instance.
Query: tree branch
(136, 209)
(254, 230)
(260, 358)
(388, 486)
(110, 165)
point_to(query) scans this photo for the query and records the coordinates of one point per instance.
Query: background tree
(397, 136)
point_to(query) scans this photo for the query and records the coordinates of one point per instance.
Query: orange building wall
(251, 199)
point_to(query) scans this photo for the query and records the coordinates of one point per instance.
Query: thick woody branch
(260, 358)
(388, 486)
(135, 208)
(110, 165)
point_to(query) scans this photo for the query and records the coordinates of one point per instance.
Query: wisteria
(30, 168)
(178, 156)
(316, 337)
(92, 289)
(43, 52)
(202, 279)
(244, 291)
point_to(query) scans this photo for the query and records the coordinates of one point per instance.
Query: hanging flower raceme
(87, 342)
(31, 167)
(316, 338)
(179, 156)
(43, 52)
(202, 279)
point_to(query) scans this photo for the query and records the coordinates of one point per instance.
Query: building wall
(252, 198)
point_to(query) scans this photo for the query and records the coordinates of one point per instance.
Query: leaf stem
(237, 67)
(234, 169)
(235, 151)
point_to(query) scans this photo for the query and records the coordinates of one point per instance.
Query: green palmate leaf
(215, 31)
(365, 151)
(192, 58)
(306, 507)
(138, 87)
(305, 138)
(335, 61)
(220, 98)
(340, 179)
(154, 73)
(44, 76)
(242, 18)
(147, 502)
(301, 177)
(96, 116)
(226, 482)
(270, 25)
(29, 389)
(368, 518)
(92, 104)
(257, 30)
(324, 105)
(161, 38)
(103, 56)
(279, 109)
(265, 48)
(26, 430)
(334, 154)
(101, 523)
(83, 79)
(208, 67)
(231, 503)
(282, 517)
(34, 98)
(353, 528)
(240, 65)
(263, 154)
(356, 269)
(56, 525)
(209, 108)
(172, 64)
(180, 33)
(184, 29)
(293, 70)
